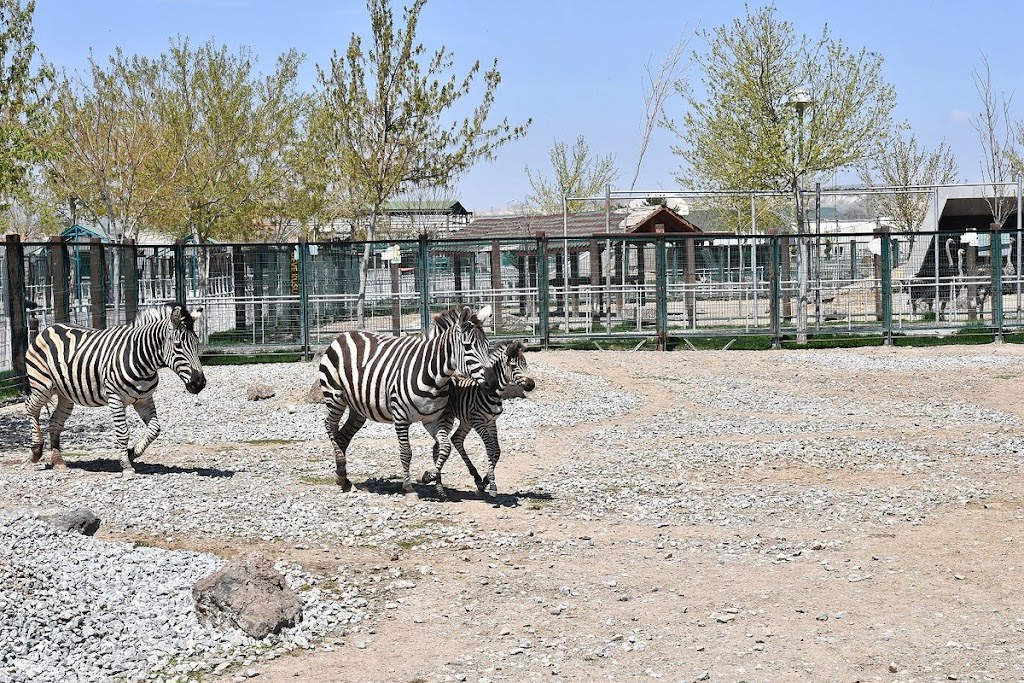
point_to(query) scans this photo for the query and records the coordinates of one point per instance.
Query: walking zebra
(400, 380)
(116, 367)
(478, 408)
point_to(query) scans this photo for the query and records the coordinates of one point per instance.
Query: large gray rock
(259, 392)
(247, 593)
(82, 520)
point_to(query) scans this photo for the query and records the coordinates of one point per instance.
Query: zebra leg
(488, 431)
(431, 427)
(57, 420)
(405, 454)
(459, 442)
(116, 405)
(146, 408)
(33, 407)
(444, 443)
(341, 440)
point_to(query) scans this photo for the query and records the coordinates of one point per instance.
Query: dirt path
(937, 600)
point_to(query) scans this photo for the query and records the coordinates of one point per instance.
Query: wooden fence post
(97, 283)
(130, 274)
(59, 271)
(16, 306)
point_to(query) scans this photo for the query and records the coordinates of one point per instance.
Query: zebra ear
(197, 314)
(176, 314)
(483, 314)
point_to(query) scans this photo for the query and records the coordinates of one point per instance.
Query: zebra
(400, 380)
(116, 367)
(478, 408)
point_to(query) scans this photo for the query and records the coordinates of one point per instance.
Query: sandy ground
(568, 587)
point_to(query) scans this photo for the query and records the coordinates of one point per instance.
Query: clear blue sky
(576, 66)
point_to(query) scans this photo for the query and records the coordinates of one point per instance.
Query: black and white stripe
(116, 367)
(400, 380)
(478, 407)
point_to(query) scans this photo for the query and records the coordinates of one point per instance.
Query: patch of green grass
(221, 358)
(409, 543)
(10, 388)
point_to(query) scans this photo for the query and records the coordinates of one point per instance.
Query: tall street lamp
(799, 99)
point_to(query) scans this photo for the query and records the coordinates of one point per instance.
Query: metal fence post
(661, 287)
(996, 258)
(238, 278)
(886, 285)
(303, 267)
(179, 271)
(775, 275)
(543, 295)
(97, 283)
(496, 285)
(423, 275)
(16, 307)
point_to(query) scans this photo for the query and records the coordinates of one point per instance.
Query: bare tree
(997, 143)
(906, 164)
(575, 175)
(658, 87)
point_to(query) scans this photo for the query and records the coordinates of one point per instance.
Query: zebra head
(183, 348)
(509, 363)
(472, 357)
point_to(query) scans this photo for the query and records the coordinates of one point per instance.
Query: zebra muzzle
(196, 382)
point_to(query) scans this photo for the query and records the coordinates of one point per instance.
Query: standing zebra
(478, 408)
(400, 380)
(116, 367)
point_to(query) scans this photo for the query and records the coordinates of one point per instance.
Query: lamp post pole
(800, 100)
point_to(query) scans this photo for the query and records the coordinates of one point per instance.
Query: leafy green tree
(107, 149)
(229, 128)
(576, 174)
(33, 215)
(24, 93)
(746, 130)
(387, 111)
(778, 109)
(905, 163)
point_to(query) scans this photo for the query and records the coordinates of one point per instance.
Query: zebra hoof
(344, 483)
(130, 454)
(427, 477)
(441, 495)
(127, 473)
(37, 452)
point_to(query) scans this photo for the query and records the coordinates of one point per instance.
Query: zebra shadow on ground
(15, 432)
(392, 486)
(108, 464)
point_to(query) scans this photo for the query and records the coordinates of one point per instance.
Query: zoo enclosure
(293, 298)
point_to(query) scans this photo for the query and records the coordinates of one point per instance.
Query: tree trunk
(364, 267)
(801, 270)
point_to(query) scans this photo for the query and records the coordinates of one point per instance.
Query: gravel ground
(734, 516)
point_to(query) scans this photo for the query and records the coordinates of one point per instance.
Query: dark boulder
(247, 593)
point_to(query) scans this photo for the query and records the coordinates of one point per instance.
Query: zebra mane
(162, 311)
(444, 320)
